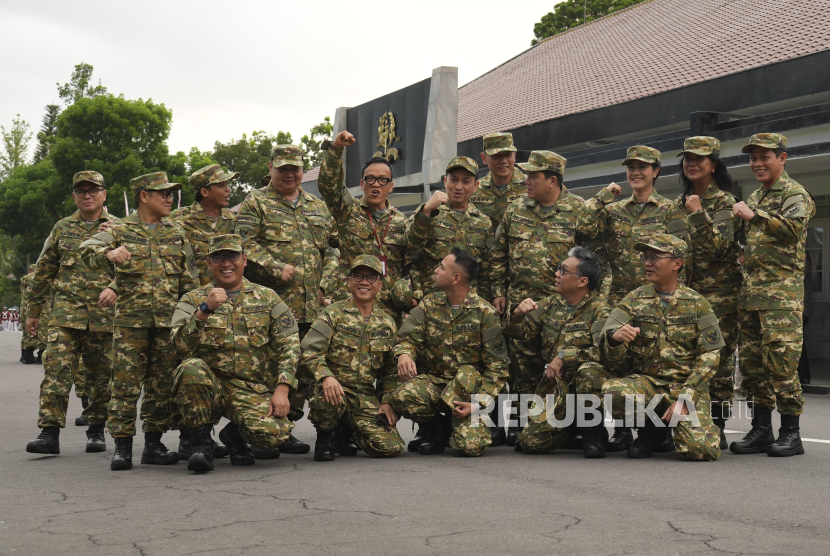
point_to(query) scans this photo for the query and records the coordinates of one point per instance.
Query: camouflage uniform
(196, 224)
(161, 269)
(621, 225)
(676, 354)
(530, 242)
(492, 201)
(576, 335)
(234, 360)
(772, 300)
(467, 355)
(711, 263)
(78, 325)
(27, 341)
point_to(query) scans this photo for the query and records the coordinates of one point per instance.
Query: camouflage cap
(157, 181)
(495, 143)
(665, 243)
(766, 140)
(463, 162)
(209, 175)
(701, 146)
(642, 153)
(225, 242)
(283, 155)
(88, 176)
(369, 261)
(544, 160)
(32, 267)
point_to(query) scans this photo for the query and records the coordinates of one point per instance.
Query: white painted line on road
(819, 440)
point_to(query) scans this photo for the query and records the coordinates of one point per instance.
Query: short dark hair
(588, 267)
(198, 194)
(551, 174)
(467, 262)
(377, 160)
(137, 200)
(779, 151)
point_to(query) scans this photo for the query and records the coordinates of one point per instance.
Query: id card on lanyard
(382, 258)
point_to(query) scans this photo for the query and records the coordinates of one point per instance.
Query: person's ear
(484, 158)
(580, 283)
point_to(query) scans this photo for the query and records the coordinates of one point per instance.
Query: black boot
(440, 438)
(720, 414)
(28, 357)
(620, 441)
(789, 439)
(343, 445)
(294, 446)
(201, 458)
(497, 435)
(324, 447)
(82, 421)
(643, 446)
(760, 436)
(156, 453)
(186, 449)
(260, 453)
(592, 447)
(513, 435)
(39, 358)
(423, 434)
(575, 440)
(95, 441)
(662, 440)
(23, 356)
(122, 459)
(47, 442)
(239, 452)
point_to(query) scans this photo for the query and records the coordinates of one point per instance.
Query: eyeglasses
(359, 277)
(92, 192)
(165, 194)
(650, 258)
(218, 258)
(563, 271)
(371, 180)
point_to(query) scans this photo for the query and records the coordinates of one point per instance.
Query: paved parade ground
(501, 503)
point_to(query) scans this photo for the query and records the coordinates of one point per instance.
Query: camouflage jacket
(196, 225)
(253, 339)
(492, 201)
(530, 243)
(73, 283)
(711, 264)
(275, 233)
(678, 342)
(25, 285)
(160, 269)
(471, 336)
(621, 225)
(575, 333)
(342, 344)
(431, 238)
(775, 241)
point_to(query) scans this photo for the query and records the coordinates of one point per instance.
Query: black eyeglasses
(563, 271)
(92, 192)
(651, 257)
(359, 277)
(218, 258)
(165, 194)
(370, 180)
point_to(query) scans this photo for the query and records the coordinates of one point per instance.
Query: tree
(78, 86)
(311, 143)
(15, 146)
(249, 156)
(46, 135)
(570, 13)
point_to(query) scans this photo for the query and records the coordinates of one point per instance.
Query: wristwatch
(205, 309)
(561, 355)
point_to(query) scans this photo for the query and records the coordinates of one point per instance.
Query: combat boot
(643, 446)
(95, 441)
(513, 435)
(39, 358)
(240, 453)
(185, 449)
(82, 421)
(789, 438)
(261, 453)
(620, 441)
(423, 434)
(574, 441)
(760, 436)
(720, 414)
(440, 438)
(28, 357)
(324, 447)
(662, 440)
(156, 453)
(497, 435)
(122, 459)
(592, 447)
(294, 446)
(47, 442)
(201, 457)
(343, 445)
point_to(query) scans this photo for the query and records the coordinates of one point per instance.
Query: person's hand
(741, 209)
(389, 411)
(107, 298)
(693, 203)
(32, 325)
(525, 307)
(344, 139)
(332, 390)
(438, 198)
(554, 369)
(105, 226)
(625, 333)
(406, 367)
(462, 409)
(500, 303)
(321, 295)
(216, 297)
(614, 188)
(279, 406)
(326, 302)
(288, 272)
(675, 408)
(120, 255)
(414, 302)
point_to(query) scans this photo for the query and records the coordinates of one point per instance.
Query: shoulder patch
(286, 321)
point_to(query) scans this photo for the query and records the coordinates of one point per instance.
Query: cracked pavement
(503, 502)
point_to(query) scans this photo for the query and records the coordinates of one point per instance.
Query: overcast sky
(228, 68)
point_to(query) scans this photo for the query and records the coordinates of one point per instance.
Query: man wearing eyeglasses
(154, 267)
(79, 323)
(349, 350)
(240, 347)
(668, 335)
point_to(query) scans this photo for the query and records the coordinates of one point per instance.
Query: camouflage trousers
(204, 397)
(360, 408)
(62, 366)
(298, 397)
(526, 365)
(541, 437)
(722, 385)
(697, 443)
(770, 348)
(141, 357)
(423, 397)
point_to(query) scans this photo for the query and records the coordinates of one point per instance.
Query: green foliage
(311, 143)
(15, 146)
(570, 13)
(78, 86)
(46, 135)
(249, 156)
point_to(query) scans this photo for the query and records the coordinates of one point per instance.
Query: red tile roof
(650, 48)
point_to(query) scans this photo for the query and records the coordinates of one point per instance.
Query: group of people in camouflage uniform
(508, 283)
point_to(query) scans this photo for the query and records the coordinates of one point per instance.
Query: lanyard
(374, 229)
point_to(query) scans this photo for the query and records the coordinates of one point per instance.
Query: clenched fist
(438, 198)
(120, 255)
(216, 297)
(344, 139)
(614, 188)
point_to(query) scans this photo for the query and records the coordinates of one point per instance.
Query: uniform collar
(564, 202)
(105, 216)
(302, 197)
(779, 183)
(653, 199)
(224, 212)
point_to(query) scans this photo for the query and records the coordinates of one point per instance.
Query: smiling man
(504, 183)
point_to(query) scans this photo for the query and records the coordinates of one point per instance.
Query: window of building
(818, 246)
